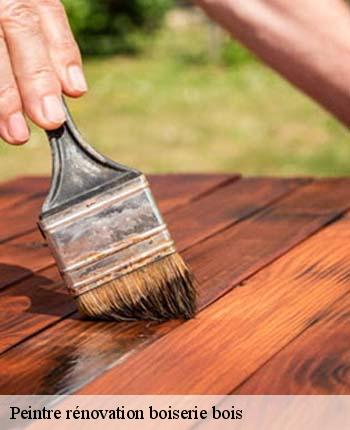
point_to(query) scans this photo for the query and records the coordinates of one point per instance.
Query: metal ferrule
(107, 236)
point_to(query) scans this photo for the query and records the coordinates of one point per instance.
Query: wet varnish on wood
(272, 258)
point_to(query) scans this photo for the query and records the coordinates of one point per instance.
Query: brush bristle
(162, 290)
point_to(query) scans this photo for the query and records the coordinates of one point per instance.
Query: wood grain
(227, 205)
(241, 198)
(267, 235)
(20, 257)
(62, 356)
(21, 218)
(221, 262)
(32, 305)
(177, 190)
(30, 249)
(184, 186)
(16, 191)
(239, 333)
(316, 362)
(21, 199)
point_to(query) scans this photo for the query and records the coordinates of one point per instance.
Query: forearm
(306, 41)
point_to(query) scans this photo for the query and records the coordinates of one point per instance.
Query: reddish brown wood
(236, 335)
(241, 198)
(19, 190)
(268, 310)
(185, 188)
(6, 201)
(32, 305)
(227, 205)
(20, 257)
(316, 362)
(268, 235)
(204, 217)
(220, 263)
(30, 248)
(21, 218)
(26, 185)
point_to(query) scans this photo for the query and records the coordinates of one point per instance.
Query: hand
(39, 60)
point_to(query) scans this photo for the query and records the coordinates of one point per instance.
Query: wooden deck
(272, 257)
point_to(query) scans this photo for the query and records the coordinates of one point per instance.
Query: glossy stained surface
(272, 259)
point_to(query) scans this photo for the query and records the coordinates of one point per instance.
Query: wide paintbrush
(108, 238)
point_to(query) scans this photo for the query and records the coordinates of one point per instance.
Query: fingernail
(53, 109)
(77, 79)
(17, 127)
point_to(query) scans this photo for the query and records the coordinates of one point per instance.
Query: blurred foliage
(234, 54)
(174, 109)
(114, 26)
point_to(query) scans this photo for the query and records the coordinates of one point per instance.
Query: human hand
(39, 60)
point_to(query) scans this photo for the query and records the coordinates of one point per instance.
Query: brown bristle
(162, 290)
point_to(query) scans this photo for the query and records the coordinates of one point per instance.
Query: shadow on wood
(37, 300)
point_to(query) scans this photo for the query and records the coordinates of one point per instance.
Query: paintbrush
(108, 238)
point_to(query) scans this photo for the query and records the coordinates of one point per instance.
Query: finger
(39, 86)
(63, 49)
(13, 127)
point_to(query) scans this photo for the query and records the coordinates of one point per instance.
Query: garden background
(169, 92)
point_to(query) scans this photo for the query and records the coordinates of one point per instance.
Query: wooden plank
(268, 235)
(316, 362)
(81, 350)
(34, 304)
(21, 218)
(241, 198)
(203, 218)
(217, 211)
(16, 191)
(26, 212)
(8, 200)
(14, 194)
(185, 187)
(31, 251)
(21, 257)
(26, 185)
(236, 335)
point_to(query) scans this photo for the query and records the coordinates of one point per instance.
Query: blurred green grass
(172, 109)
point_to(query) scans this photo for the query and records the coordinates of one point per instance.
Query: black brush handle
(77, 169)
